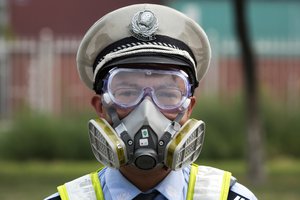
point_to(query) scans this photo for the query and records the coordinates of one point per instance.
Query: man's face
(127, 89)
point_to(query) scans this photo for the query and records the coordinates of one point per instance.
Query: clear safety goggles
(127, 87)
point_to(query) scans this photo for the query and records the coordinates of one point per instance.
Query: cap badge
(143, 25)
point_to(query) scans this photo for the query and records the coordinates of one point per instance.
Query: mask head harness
(145, 137)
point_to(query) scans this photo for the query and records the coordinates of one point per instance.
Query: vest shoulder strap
(208, 183)
(87, 187)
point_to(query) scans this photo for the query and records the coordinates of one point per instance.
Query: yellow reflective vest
(204, 183)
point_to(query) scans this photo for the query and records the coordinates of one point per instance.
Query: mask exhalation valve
(145, 159)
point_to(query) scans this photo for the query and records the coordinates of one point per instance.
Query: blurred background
(251, 107)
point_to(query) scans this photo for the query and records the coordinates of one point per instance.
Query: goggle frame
(148, 91)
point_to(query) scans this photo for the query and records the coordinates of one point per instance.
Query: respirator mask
(146, 137)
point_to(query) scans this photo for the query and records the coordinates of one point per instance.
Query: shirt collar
(120, 188)
(172, 186)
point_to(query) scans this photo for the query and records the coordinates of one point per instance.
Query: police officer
(144, 62)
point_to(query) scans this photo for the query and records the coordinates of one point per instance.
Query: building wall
(67, 17)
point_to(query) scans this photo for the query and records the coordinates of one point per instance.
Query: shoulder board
(235, 196)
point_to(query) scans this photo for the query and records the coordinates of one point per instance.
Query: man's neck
(144, 179)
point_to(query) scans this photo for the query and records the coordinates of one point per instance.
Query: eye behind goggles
(127, 87)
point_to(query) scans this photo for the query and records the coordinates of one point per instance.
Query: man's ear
(97, 104)
(191, 106)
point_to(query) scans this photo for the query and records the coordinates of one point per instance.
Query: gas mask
(145, 137)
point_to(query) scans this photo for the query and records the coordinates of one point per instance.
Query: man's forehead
(139, 76)
(150, 66)
(147, 70)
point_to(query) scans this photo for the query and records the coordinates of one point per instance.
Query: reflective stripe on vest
(208, 183)
(87, 187)
(205, 183)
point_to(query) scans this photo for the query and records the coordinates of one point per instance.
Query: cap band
(162, 41)
(142, 49)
